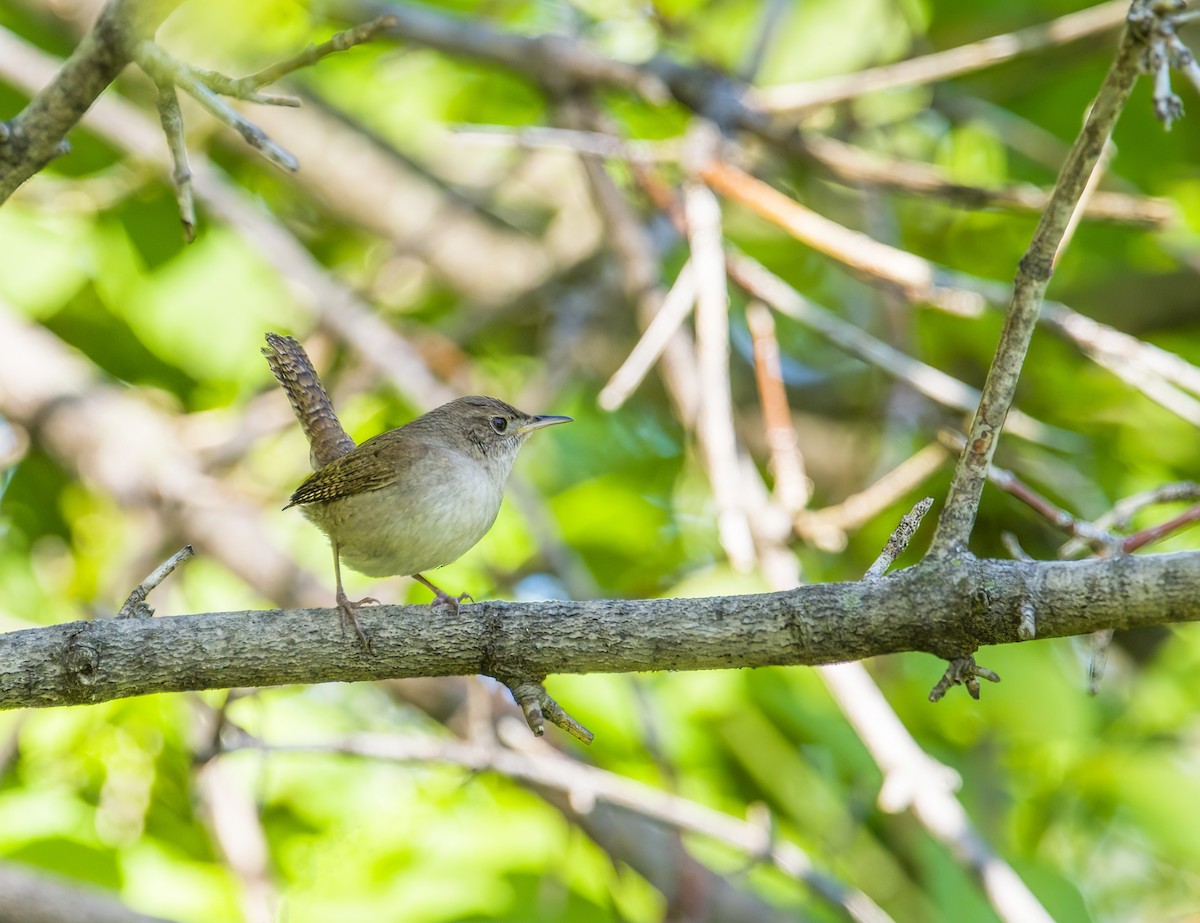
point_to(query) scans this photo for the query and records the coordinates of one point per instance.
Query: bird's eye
(499, 424)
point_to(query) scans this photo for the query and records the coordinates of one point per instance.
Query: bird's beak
(538, 422)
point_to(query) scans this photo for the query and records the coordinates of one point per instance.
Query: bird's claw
(349, 610)
(445, 599)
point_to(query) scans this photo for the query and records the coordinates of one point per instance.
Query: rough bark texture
(947, 608)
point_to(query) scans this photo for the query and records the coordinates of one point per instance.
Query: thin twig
(135, 606)
(792, 488)
(1054, 514)
(541, 137)
(1033, 275)
(37, 134)
(859, 253)
(1124, 510)
(848, 163)
(1150, 369)
(1085, 197)
(163, 69)
(335, 306)
(1098, 538)
(898, 541)
(243, 87)
(826, 528)
(181, 175)
(933, 383)
(587, 785)
(718, 440)
(1154, 533)
(675, 307)
(795, 98)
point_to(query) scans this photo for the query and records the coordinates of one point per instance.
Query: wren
(408, 500)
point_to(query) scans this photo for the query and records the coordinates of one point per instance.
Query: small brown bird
(408, 500)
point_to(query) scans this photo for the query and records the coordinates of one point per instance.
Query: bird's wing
(375, 464)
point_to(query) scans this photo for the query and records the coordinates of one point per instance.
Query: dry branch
(1033, 276)
(35, 136)
(948, 608)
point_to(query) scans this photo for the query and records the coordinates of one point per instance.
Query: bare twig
(963, 671)
(792, 488)
(244, 87)
(1036, 267)
(1086, 196)
(333, 304)
(860, 254)
(845, 163)
(898, 541)
(714, 425)
(135, 606)
(827, 527)
(1150, 369)
(792, 99)
(1099, 538)
(1054, 514)
(933, 383)
(1122, 513)
(541, 137)
(848, 163)
(36, 135)
(655, 338)
(538, 707)
(1154, 533)
(587, 785)
(181, 175)
(165, 71)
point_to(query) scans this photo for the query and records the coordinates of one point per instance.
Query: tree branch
(1033, 276)
(948, 608)
(35, 136)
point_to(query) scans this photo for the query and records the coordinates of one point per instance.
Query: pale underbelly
(384, 533)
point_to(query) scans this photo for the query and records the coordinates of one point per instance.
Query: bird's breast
(423, 520)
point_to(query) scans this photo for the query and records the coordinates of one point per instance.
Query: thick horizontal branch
(948, 608)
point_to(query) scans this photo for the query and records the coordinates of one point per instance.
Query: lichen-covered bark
(948, 608)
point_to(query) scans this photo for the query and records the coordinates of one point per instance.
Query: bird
(411, 499)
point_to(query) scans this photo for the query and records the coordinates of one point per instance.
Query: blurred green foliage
(1094, 800)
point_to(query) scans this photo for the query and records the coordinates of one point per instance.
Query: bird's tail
(291, 365)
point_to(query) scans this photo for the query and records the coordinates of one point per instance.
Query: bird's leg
(441, 597)
(349, 607)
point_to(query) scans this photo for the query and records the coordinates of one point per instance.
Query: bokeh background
(423, 246)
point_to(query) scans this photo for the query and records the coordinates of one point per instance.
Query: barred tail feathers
(291, 366)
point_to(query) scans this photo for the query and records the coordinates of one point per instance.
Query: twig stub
(962, 671)
(135, 606)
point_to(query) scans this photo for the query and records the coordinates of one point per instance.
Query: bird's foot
(349, 610)
(445, 599)
(441, 597)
